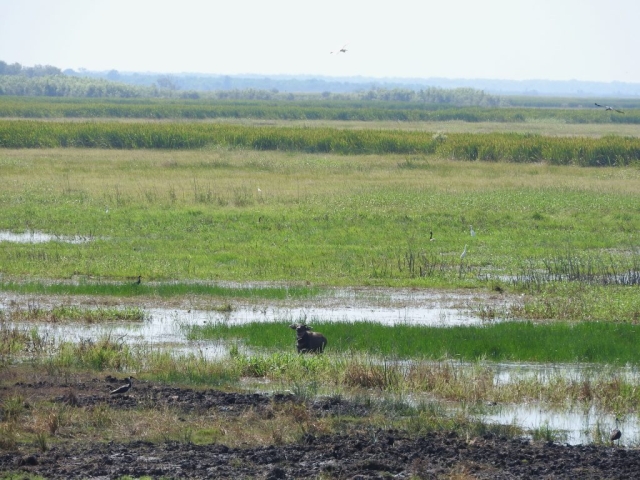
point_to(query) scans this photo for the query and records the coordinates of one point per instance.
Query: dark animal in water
(308, 341)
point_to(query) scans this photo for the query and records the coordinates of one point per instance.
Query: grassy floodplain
(556, 222)
(242, 215)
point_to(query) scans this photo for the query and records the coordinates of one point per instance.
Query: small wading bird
(138, 281)
(343, 49)
(123, 388)
(608, 108)
(464, 253)
(431, 239)
(473, 232)
(615, 434)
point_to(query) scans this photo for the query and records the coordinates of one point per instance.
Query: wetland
(515, 360)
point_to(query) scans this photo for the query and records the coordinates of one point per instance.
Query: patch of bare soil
(370, 454)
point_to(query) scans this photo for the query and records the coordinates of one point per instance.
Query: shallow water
(39, 237)
(578, 427)
(164, 329)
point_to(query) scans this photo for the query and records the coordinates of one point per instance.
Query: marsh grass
(491, 147)
(595, 342)
(170, 289)
(315, 109)
(106, 352)
(15, 341)
(322, 219)
(73, 313)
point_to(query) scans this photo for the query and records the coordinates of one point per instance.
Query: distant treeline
(318, 109)
(344, 85)
(15, 69)
(61, 85)
(510, 147)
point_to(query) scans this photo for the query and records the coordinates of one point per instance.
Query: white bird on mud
(464, 252)
(123, 388)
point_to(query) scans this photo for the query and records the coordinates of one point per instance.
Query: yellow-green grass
(73, 313)
(271, 216)
(330, 110)
(544, 127)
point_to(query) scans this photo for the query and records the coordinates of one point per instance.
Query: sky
(587, 40)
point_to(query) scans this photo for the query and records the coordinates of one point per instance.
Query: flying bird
(342, 49)
(123, 388)
(608, 108)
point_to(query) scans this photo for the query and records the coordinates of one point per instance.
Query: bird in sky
(608, 108)
(342, 49)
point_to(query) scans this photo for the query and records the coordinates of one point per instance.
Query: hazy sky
(508, 39)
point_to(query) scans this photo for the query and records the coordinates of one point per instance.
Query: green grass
(131, 289)
(73, 313)
(582, 110)
(188, 221)
(592, 342)
(491, 147)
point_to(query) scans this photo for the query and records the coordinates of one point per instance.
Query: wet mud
(365, 454)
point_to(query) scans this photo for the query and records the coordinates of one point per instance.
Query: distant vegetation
(50, 81)
(316, 109)
(512, 147)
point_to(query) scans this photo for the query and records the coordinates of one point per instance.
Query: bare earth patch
(358, 454)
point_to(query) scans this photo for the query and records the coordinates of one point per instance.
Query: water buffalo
(308, 341)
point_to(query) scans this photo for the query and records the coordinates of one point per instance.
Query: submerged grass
(594, 342)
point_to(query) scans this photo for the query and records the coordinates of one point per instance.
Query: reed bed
(338, 110)
(492, 147)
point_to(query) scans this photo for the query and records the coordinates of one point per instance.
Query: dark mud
(361, 454)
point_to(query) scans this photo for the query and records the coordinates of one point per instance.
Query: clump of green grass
(509, 341)
(73, 313)
(105, 353)
(172, 289)
(15, 340)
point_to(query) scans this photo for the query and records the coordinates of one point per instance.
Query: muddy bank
(382, 454)
(364, 453)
